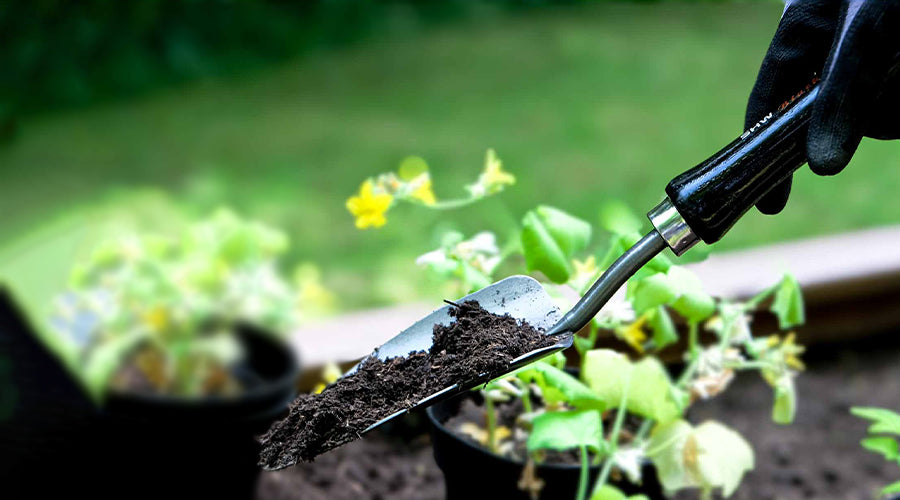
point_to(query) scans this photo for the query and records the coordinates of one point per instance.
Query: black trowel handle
(712, 196)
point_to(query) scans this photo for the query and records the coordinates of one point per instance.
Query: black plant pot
(206, 446)
(58, 443)
(470, 471)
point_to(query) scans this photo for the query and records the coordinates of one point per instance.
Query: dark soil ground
(477, 343)
(817, 457)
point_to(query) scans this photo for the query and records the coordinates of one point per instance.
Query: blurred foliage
(61, 52)
(172, 304)
(585, 103)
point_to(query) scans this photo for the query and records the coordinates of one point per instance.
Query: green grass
(583, 104)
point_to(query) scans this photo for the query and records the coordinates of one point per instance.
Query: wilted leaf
(666, 448)
(651, 395)
(709, 456)
(723, 456)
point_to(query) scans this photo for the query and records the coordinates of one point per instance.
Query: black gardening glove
(854, 46)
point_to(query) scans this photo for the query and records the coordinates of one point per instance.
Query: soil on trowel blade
(478, 342)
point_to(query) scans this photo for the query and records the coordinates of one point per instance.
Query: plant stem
(614, 438)
(754, 302)
(752, 365)
(491, 424)
(526, 400)
(448, 204)
(583, 477)
(688, 372)
(693, 342)
(645, 427)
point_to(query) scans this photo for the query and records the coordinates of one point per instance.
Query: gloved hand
(854, 46)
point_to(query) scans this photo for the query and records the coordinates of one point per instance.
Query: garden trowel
(701, 204)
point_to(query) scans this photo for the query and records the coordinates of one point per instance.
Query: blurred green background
(154, 115)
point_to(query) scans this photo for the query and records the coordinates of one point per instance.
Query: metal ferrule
(672, 227)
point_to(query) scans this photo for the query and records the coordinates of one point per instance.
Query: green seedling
(882, 438)
(662, 304)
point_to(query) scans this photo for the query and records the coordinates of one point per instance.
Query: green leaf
(891, 489)
(785, 406)
(542, 253)
(788, 303)
(558, 386)
(412, 167)
(550, 238)
(693, 303)
(651, 292)
(608, 492)
(886, 446)
(617, 218)
(883, 421)
(709, 456)
(570, 233)
(677, 287)
(564, 430)
(664, 331)
(606, 372)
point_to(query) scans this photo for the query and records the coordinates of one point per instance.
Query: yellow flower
(791, 352)
(330, 373)
(634, 334)
(494, 177)
(422, 190)
(586, 267)
(586, 272)
(157, 319)
(368, 207)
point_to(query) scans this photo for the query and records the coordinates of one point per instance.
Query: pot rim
(267, 389)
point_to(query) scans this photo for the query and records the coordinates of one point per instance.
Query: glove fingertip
(828, 154)
(776, 199)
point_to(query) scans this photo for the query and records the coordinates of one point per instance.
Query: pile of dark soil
(477, 343)
(382, 466)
